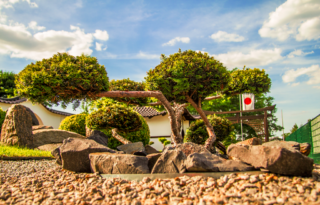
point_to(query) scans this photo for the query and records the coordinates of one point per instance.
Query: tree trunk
(177, 139)
(118, 137)
(212, 136)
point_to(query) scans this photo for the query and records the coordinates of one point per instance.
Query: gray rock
(152, 159)
(291, 145)
(52, 136)
(56, 154)
(17, 127)
(107, 163)
(41, 127)
(75, 152)
(277, 160)
(99, 137)
(171, 161)
(150, 150)
(33, 116)
(190, 148)
(131, 148)
(205, 162)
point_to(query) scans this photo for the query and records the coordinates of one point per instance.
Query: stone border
(25, 158)
(139, 177)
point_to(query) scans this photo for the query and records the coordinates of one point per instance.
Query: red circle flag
(247, 101)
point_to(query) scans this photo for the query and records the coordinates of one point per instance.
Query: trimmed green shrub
(128, 85)
(2, 116)
(141, 135)
(7, 85)
(62, 78)
(74, 123)
(198, 134)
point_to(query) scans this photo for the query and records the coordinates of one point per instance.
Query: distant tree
(7, 85)
(294, 128)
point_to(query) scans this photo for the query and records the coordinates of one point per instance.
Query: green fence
(310, 132)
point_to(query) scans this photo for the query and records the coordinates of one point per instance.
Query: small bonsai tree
(164, 141)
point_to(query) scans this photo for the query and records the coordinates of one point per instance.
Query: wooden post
(266, 131)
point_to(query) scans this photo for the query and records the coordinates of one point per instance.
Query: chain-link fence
(310, 132)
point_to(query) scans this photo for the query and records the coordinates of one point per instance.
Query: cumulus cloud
(221, 36)
(34, 26)
(98, 46)
(297, 18)
(172, 42)
(298, 53)
(313, 72)
(101, 35)
(254, 58)
(18, 42)
(9, 3)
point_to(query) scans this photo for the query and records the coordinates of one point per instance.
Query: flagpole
(241, 115)
(282, 126)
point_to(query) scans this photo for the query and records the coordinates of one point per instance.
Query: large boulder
(190, 148)
(41, 127)
(52, 136)
(17, 127)
(171, 161)
(49, 147)
(132, 148)
(206, 162)
(75, 152)
(150, 150)
(277, 160)
(33, 116)
(152, 159)
(251, 141)
(98, 136)
(107, 163)
(290, 145)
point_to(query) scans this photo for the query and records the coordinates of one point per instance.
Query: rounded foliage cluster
(128, 85)
(198, 134)
(62, 78)
(74, 123)
(140, 135)
(114, 116)
(7, 85)
(2, 117)
(187, 73)
(248, 80)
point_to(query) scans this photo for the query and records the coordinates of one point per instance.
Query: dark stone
(99, 137)
(150, 150)
(41, 127)
(171, 161)
(190, 148)
(56, 154)
(206, 162)
(277, 160)
(75, 152)
(131, 148)
(140, 153)
(152, 159)
(291, 145)
(52, 136)
(33, 116)
(17, 127)
(107, 163)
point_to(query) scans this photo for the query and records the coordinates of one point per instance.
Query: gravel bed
(44, 182)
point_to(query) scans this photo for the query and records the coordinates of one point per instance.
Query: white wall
(160, 127)
(47, 117)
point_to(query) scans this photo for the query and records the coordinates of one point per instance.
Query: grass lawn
(15, 151)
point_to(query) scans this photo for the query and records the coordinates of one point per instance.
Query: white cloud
(33, 25)
(295, 84)
(142, 55)
(254, 58)
(313, 72)
(18, 42)
(98, 46)
(101, 35)
(9, 3)
(298, 53)
(221, 36)
(172, 42)
(298, 18)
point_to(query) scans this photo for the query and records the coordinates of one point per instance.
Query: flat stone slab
(132, 148)
(139, 177)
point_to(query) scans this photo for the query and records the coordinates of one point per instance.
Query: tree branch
(119, 137)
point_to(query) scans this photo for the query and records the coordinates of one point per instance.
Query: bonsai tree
(164, 141)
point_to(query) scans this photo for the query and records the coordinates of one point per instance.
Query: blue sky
(282, 37)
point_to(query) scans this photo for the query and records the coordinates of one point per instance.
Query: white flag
(247, 101)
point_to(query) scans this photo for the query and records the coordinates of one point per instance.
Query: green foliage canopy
(62, 78)
(198, 134)
(7, 85)
(129, 85)
(74, 123)
(2, 116)
(187, 73)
